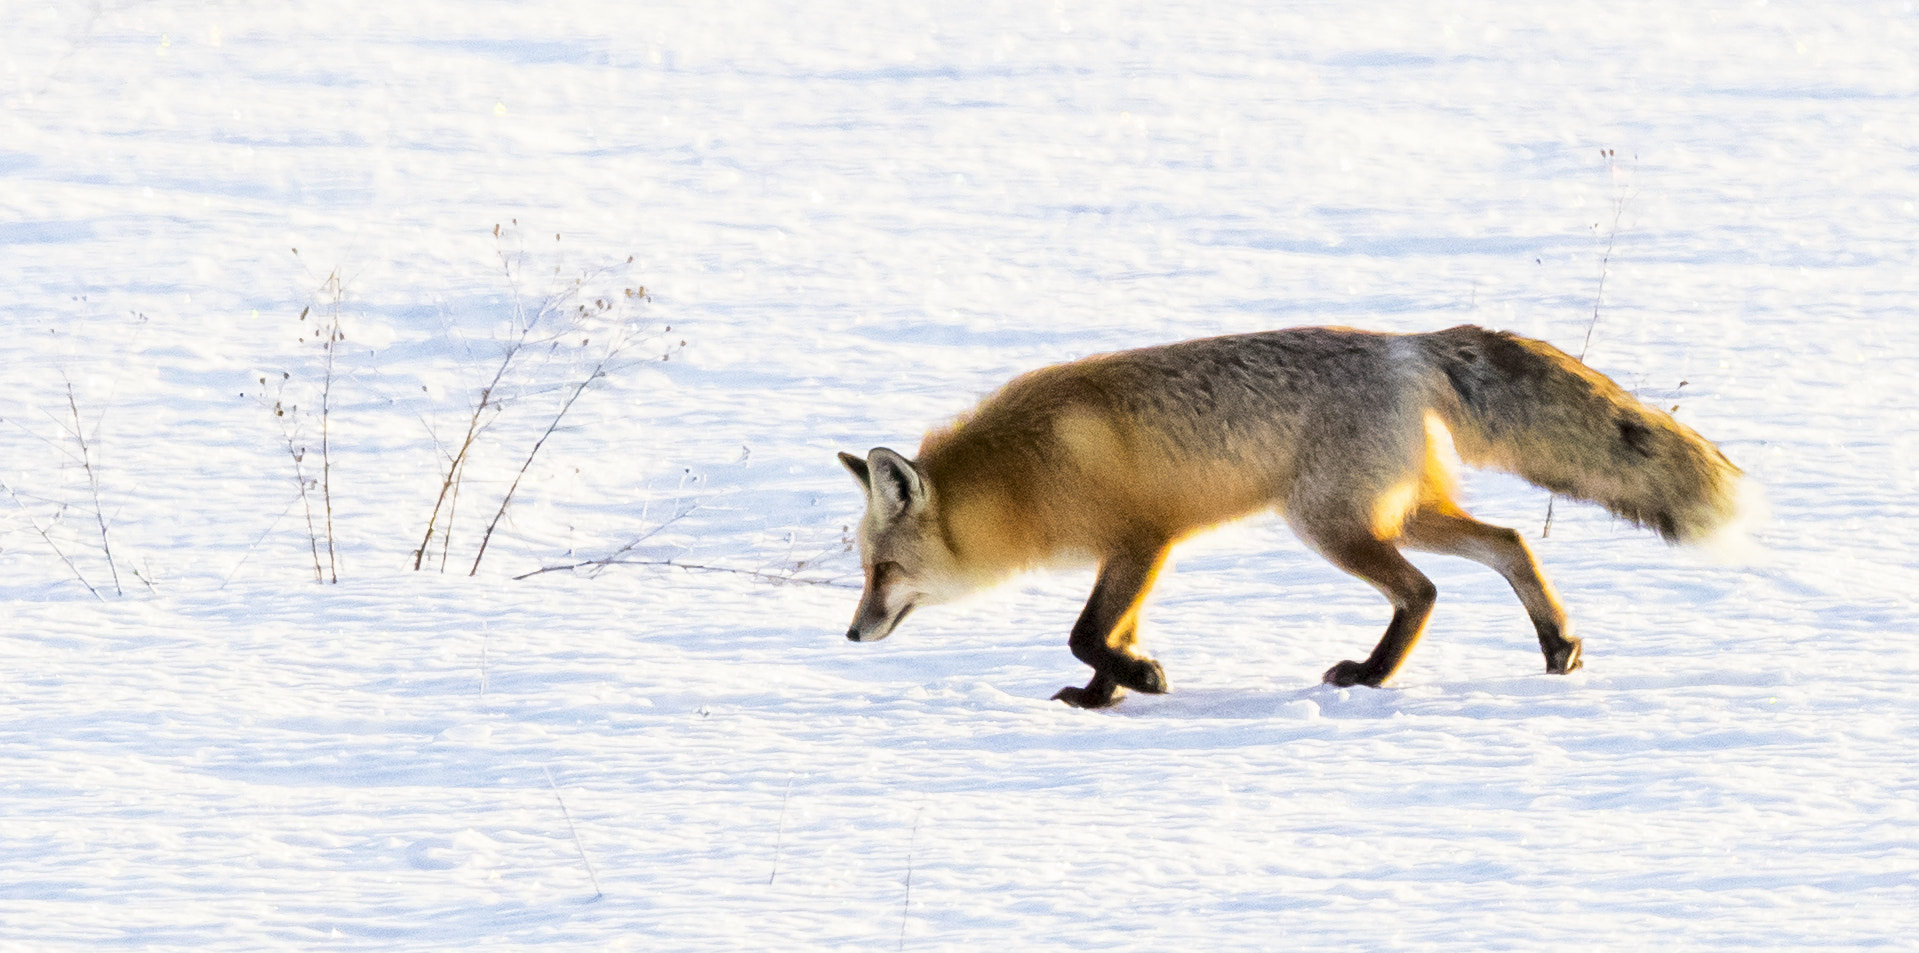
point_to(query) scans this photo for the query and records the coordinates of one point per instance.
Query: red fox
(1114, 458)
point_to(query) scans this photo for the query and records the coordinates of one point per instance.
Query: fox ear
(894, 481)
(858, 468)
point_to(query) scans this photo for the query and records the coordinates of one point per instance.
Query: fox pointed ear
(858, 468)
(894, 481)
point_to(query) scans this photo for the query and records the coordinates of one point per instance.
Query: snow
(860, 218)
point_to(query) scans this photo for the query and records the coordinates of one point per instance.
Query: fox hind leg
(1447, 529)
(1107, 630)
(1377, 561)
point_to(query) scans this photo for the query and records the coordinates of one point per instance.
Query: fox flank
(1115, 458)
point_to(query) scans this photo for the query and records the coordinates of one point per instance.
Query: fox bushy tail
(1530, 409)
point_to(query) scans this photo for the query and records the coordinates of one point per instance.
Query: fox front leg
(1107, 630)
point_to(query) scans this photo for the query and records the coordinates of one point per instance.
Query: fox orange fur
(1114, 458)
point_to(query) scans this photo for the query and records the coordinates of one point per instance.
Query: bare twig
(798, 566)
(93, 484)
(456, 464)
(778, 579)
(333, 336)
(452, 516)
(1620, 200)
(289, 417)
(313, 535)
(539, 336)
(614, 557)
(906, 906)
(621, 341)
(256, 543)
(448, 496)
(328, 332)
(619, 557)
(679, 514)
(57, 551)
(597, 894)
(146, 578)
(453, 505)
(780, 836)
(599, 370)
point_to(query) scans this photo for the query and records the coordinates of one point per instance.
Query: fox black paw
(1091, 696)
(1143, 675)
(1347, 674)
(1565, 658)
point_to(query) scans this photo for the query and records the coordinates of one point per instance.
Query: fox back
(1088, 458)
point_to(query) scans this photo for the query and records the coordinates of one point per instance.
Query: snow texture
(861, 218)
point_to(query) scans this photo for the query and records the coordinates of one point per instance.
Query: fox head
(906, 559)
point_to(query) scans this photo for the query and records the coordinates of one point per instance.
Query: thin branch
(452, 519)
(77, 574)
(556, 317)
(599, 370)
(333, 337)
(93, 483)
(780, 836)
(801, 565)
(58, 446)
(457, 466)
(780, 579)
(906, 906)
(607, 360)
(313, 535)
(1605, 261)
(597, 894)
(613, 557)
(1620, 200)
(263, 538)
(290, 432)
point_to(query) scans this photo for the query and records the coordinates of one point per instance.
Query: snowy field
(859, 221)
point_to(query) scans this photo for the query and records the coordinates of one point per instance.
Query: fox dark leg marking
(1504, 551)
(1562, 653)
(1379, 563)
(1106, 631)
(1098, 693)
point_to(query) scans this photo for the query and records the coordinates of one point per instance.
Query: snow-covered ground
(860, 219)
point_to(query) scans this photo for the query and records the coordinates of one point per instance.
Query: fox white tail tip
(1732, 542)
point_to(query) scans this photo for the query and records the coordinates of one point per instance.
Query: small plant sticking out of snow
(77, 445)
(283, 396)
(1622, 196)
(553, 349)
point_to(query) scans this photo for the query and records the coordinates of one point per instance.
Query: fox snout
(853, 633)
(873, 633)
(874, 619)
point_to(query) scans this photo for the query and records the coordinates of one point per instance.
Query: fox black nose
(853, 634)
